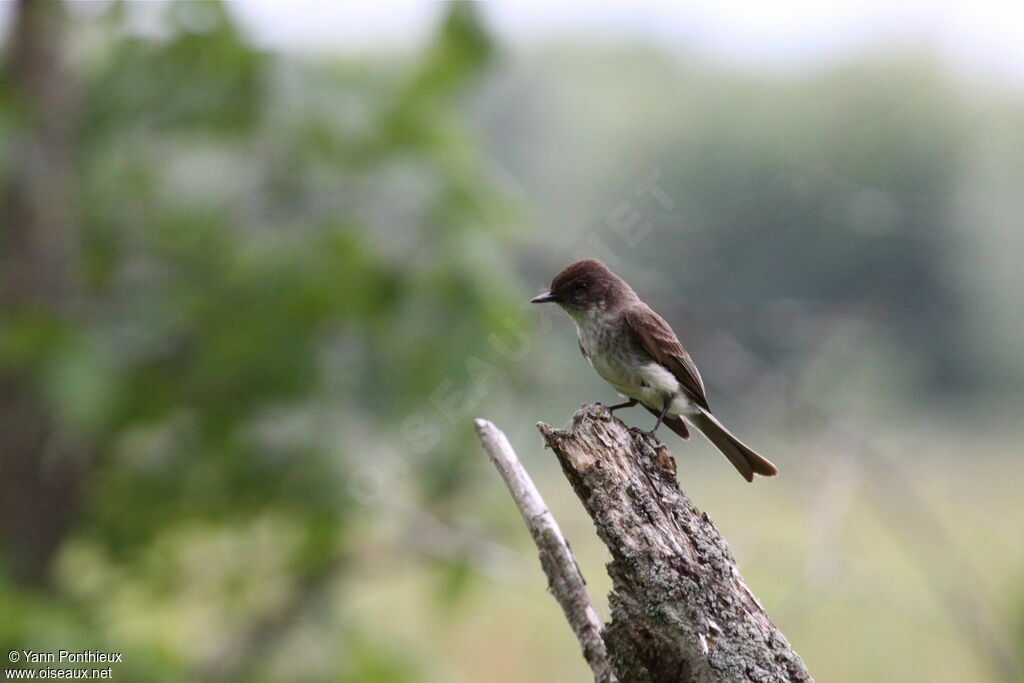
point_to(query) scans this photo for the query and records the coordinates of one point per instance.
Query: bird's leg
(664, 412)
(628, 404)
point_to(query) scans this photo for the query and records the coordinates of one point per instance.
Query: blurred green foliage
(250, 317)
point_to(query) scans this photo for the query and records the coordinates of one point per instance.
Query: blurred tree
(212, 259)
(40, 464)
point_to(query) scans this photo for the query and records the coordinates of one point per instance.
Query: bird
(632, 348)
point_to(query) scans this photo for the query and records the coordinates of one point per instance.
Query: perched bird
(637, 352)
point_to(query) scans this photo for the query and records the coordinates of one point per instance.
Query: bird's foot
(628, 404)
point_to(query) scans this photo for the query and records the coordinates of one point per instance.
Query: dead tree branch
(680, 611)
(564, 578)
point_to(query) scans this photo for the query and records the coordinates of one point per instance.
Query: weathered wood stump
(680, 610)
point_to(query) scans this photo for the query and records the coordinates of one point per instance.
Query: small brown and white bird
(637, 352)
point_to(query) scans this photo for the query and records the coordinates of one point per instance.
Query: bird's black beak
(544, 298)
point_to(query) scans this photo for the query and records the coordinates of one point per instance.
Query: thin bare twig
(556, 557)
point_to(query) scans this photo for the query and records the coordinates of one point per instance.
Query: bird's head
(584, 287)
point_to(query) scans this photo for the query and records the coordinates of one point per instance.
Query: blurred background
(262, 263)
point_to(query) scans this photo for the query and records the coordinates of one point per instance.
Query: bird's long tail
(740, 455)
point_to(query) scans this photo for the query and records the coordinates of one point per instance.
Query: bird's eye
(581, 286)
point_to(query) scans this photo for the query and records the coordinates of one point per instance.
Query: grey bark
(680, 610)
(556, 558)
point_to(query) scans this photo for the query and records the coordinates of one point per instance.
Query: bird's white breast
(628, 368)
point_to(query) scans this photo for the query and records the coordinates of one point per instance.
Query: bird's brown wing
(660, 341)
